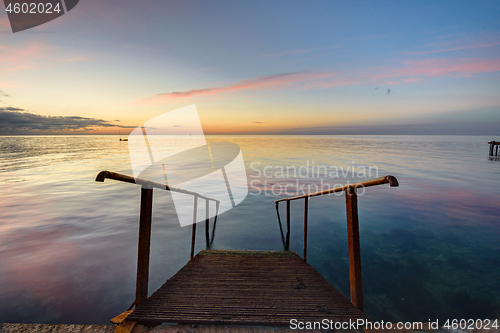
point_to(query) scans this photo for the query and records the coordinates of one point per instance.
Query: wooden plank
(354, 248)
(246, 288)
(141, 292)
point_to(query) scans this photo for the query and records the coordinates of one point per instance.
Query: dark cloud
(15, 121)
(11, 109)
(3, 94)
(402, 129)
(470, 122)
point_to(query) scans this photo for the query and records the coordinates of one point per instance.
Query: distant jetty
(494, 147)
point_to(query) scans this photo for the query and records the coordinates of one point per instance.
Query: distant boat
(121, 138)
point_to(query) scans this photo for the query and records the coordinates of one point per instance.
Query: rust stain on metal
(246, 288)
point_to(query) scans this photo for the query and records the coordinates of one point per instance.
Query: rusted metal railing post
(207, 223)
(217, 203)
(193, 232)
(304, 250)
(354, 248)
(352, 228)
(287, 246)
(141, 290)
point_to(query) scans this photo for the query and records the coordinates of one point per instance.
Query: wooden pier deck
(242, 288)
(245, 288)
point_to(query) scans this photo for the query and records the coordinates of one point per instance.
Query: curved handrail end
(392, 181)
(101, 176)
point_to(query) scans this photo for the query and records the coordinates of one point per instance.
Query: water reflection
(68, 245)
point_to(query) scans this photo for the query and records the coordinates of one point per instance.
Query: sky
(256, 67)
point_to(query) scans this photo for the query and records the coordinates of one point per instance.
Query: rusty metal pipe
(367, 183)
(145, 183)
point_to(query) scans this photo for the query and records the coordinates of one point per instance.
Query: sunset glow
(268, 68)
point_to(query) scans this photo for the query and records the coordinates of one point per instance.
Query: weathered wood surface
(245, 288)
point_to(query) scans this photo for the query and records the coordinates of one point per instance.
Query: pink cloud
(417, 71)
(5, 25)
(413, 79)
(26, 56)
(448, 67)
(266, 83)
(13, 59)
(455, 48)
(408, 72)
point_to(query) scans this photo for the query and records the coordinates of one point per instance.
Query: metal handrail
(352, 228)
(367, 183)
(145, 225)
(146, 183)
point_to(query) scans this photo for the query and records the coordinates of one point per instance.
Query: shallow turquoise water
(429, 248)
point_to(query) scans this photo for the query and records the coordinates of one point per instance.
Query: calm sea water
(430, 248)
